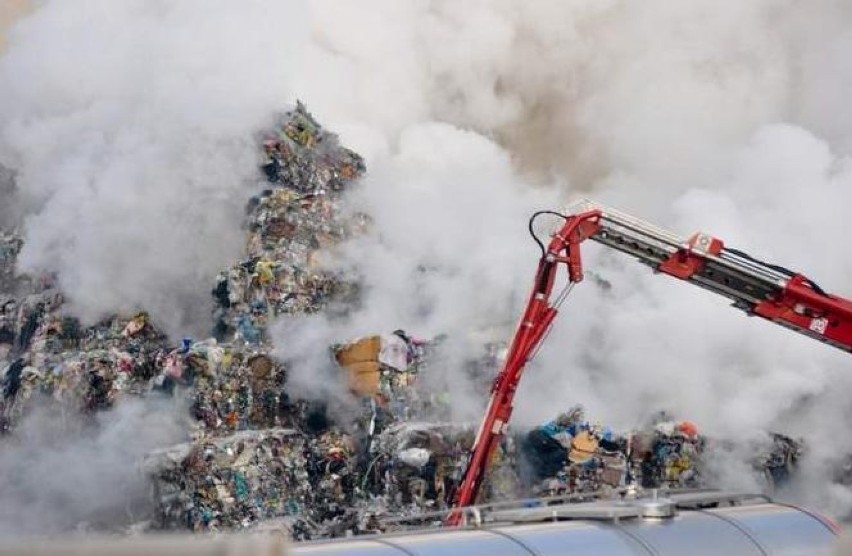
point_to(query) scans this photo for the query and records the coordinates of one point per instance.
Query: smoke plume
(706, 117)
(134, 152)
(61, 470)
(131, 128)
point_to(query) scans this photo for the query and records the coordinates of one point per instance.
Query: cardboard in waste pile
(364, 379)
(360, 359)
(360, 351)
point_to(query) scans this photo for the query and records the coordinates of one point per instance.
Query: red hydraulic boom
(769, 291)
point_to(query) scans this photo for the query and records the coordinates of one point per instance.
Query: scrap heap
(10, 246)
(416, 466)
(295, 218)
(46, 352)
(229, 482)
(778, 462)
(669, 454)
(240, 397)
(324, 478)
(234, 392)
(50, 358)
(255, 454)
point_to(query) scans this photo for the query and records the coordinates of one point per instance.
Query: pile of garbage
(348, 471)
(229, 382)
(239, 392)
(416, 466)
(778, 464)
(255, 454)
(50, 358)
(295, 216)
(10, 245)
(569, 455)
(669, 455)
(289, 224)
(227, 482)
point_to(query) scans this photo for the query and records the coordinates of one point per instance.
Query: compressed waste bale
(229, 482)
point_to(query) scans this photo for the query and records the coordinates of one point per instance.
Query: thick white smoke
(726, 117)
(653, 343)
(130, 125)
(722, 118)
(63, 470)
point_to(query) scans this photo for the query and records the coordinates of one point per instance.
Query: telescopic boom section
(758, 288)
(766, 290)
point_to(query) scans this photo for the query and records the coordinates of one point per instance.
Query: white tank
(679, 525)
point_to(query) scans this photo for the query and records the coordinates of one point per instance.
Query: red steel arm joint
(690, 260)
(564, 248)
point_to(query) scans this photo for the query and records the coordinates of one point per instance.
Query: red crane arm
(793, 300)
(768, 291)
(536, 321)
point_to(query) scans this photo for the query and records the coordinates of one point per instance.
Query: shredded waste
(256, 456)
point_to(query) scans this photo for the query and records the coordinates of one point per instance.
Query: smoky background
(133, 155)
